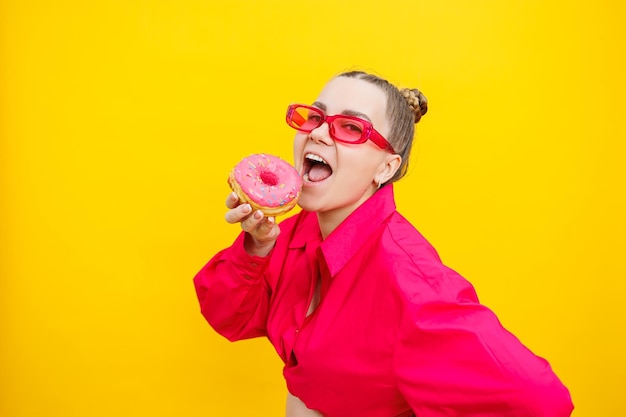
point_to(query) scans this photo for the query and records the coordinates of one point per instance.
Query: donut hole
(269, 178)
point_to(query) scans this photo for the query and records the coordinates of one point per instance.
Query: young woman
(358, 305)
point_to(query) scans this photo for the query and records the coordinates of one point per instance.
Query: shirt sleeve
(454, 358)
(233, 294)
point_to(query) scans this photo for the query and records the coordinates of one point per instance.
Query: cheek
(298, 146)
(360, 165)
(299, 140)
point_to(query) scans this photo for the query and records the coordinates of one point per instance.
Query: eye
(351, 126)
(314, 117)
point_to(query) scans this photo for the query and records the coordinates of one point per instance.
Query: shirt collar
(343, 242)
(306, 232)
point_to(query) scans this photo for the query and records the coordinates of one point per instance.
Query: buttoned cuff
(251, 266)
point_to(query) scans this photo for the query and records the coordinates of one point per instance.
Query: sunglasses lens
(348, 130)
(345, 129)
(304, 118)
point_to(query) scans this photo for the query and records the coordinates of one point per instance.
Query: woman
(358, 305)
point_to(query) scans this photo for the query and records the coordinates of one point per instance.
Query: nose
(321, 134)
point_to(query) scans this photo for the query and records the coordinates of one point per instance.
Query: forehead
(351, 94)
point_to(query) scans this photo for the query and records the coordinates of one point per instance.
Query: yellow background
(120, 119)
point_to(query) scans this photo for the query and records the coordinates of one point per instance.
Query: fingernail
(234, 196)
(258, 214)
(271, 219)
(246, 208)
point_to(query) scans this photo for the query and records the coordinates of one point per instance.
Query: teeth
(315, 158)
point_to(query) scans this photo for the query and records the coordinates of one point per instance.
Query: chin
(308, 203)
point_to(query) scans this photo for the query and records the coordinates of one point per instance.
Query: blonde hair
(405, 107)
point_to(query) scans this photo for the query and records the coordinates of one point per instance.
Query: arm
(233, 294)
(231, 289)
(454, 358)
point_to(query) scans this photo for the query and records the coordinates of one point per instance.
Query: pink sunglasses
(342, 128)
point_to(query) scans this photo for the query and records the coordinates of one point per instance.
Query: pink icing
(268, 180)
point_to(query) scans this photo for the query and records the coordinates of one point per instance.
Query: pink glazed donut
(267, 183)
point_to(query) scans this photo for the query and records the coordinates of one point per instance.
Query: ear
(387, 168)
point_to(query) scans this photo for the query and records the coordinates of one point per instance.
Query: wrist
(257, 248)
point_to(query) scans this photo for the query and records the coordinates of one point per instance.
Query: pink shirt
(396, 332)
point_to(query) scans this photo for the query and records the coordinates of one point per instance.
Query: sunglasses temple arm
(381, 141)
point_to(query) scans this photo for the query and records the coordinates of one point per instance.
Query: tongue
(319, 172)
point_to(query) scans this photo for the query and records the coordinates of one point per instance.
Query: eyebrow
(346, 112)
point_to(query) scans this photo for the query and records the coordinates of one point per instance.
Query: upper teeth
(315, 158)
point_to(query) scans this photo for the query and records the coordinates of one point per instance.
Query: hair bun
(416, 100)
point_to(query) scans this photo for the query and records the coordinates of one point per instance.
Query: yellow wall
(120, 119)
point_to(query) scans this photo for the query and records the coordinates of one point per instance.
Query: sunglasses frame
(368, 134)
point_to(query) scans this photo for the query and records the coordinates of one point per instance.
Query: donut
(267, 183)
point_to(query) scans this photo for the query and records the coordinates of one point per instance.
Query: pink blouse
(396, 332)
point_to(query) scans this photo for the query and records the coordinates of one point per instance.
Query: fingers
(243, 214)
(259, 226)
(263, 230)
(237, 210)
(264, 227)
(232, 200)
(239, 213)
(260, 240)
(254, 222)
(250, 223)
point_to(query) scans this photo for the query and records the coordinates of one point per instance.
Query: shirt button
(254, 264)
(297, 331)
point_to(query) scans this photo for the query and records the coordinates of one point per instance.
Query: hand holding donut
(261, 231)
(263, 185)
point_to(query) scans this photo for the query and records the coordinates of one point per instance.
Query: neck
(330, 220)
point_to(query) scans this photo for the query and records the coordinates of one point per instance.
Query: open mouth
(316, 169)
